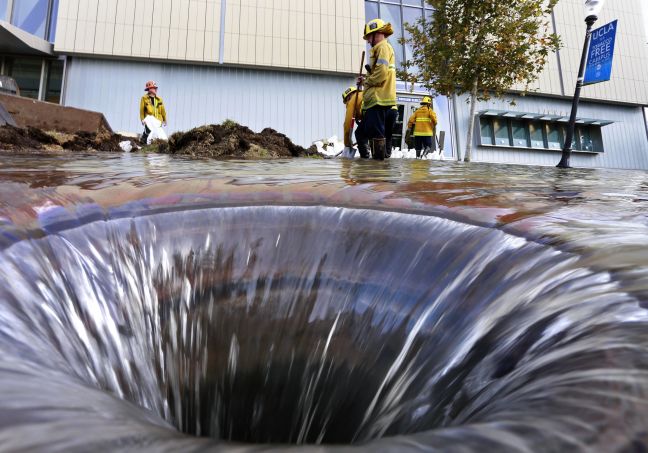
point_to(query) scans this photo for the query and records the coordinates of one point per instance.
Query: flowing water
(156, 304)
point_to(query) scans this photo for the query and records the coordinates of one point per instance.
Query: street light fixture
(592, 11)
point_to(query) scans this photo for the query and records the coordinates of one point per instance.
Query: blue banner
(600, 54)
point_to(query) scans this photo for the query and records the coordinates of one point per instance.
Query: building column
(10, 4)
(42, 88)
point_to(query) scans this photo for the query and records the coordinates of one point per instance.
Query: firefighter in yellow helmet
(423, 122)
(352, 98)
(151, 105)
(380, 85)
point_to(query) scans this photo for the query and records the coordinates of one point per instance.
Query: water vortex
(314, 325)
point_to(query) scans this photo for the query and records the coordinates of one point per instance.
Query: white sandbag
(126, 146)
(155, 126)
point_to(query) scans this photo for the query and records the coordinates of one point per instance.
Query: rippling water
(151, 303)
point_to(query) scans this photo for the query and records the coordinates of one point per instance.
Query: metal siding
(305, 107)
(625, 142)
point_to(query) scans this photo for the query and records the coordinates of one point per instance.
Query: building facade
(284, 64)
(27, 33)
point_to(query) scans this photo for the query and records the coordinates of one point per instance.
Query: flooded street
(153, 303)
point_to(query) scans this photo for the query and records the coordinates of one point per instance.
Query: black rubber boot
(388, 150)
(363, 149)
(418, 153)
(145, 135)
(378, 148)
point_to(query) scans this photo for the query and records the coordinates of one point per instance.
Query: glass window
(536, 133)
(30, 15)
(597, 139)
(54, 82)
(371, 11)
(27, 73)
(555, 137)
(519, 133)
(486, 131)
(501, 132)
(418, 3)
(584, 135)
(3, 9)
(410, 16)
(392, 14)
(52, 21)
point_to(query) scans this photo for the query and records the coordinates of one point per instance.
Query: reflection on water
(391, 306)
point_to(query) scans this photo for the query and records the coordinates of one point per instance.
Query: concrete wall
(317, 35)
(306, 107)
(624, 141)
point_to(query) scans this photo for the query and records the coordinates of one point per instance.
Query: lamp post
(592, 10)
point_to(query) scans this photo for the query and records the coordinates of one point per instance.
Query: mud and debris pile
(32, 139)
(230, 140)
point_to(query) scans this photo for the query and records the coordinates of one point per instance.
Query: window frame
(546, 126)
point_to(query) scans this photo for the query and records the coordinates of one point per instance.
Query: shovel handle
(355, 101)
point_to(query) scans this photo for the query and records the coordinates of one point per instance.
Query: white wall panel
(161, 29)
(85, 29)
(212, 31)
(67, 24)
(179, 32)
(123, 41)
(142, 28)
(105, 27)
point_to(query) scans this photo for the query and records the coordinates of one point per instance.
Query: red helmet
(150, 84)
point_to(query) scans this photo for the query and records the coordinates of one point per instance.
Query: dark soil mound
(15, 139)
(91, 141)
(18, 139)
(217, 141)
(233, 141)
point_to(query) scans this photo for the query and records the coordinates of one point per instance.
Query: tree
(481, 47)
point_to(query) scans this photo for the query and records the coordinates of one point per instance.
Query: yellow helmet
(427, 100)
(349, 91)
(378, 26)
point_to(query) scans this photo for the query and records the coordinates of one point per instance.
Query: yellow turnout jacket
(380, 84)
(354, 101)
(425, 120)
(153, 107)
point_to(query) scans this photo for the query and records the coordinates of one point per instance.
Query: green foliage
(482, 47)
(229, 124)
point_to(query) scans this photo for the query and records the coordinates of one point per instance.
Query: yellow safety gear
(380, 85)
(354, 102)
(425, 120)
(152, 106)
(348, 93)
(426, 100)
(378, 26)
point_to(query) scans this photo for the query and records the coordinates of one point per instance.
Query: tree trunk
(471, 122)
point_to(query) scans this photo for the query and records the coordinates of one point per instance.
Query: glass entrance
(407, 105)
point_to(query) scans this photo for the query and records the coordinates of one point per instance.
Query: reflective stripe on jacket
(380, 85)
(153, 107)
(354, 100)
(425, 120)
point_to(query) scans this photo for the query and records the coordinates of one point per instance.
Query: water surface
(154, 303)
